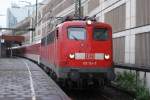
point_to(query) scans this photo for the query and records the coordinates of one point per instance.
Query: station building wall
(119, 50)
(142, 42)
(142, 49)
(116, 18)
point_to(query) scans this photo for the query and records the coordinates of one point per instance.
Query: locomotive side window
(57, 34)
(50, 37)
(43, 42)
(100, 34)
(77, 33)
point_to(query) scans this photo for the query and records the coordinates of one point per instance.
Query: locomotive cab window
(100, 34)
(76, 33)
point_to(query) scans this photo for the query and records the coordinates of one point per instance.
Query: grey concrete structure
(21, 79)
(16, 14)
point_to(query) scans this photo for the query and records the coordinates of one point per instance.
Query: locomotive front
(86, 52)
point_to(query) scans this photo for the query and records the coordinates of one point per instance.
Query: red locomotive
(78, 51)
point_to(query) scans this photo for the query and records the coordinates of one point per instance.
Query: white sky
(4, 4)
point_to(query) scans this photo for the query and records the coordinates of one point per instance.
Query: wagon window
(100, 34)
(77, 33)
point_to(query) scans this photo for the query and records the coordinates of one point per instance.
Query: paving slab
(21, 79)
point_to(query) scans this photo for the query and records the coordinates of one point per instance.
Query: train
(76, 53)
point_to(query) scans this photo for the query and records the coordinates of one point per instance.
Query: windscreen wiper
(75, 37)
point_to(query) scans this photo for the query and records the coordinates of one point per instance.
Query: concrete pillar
(85, 12)
(130, 37)
(31, 32)
(102, 15)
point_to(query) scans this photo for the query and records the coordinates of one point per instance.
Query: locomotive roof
(80, 20)
(83, 22)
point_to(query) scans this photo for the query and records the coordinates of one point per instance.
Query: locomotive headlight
(89, 22)
(71, 56)
(107, 56)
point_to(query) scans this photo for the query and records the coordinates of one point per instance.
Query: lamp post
(36, 12)
(78, 8)
(1, 39)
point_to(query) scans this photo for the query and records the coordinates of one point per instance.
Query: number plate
(97, 56)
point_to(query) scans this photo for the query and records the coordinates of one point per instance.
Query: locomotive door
(56, 51)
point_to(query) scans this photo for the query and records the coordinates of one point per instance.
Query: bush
(127, 81)
(142, 93)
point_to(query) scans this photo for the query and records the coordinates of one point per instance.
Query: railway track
(85, 95)
(107, 93)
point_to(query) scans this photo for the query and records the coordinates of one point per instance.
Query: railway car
(78, 53)
(31, 51)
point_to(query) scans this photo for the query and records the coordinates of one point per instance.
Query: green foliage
(142, 93)
(127, 81)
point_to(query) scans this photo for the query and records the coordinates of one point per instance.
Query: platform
(20, 79)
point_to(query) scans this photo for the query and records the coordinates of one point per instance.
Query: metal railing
(136, 68)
